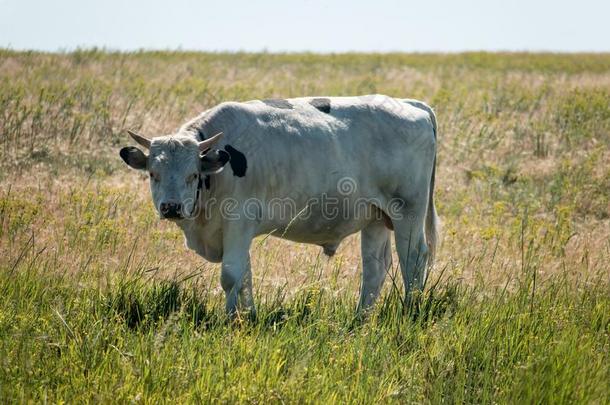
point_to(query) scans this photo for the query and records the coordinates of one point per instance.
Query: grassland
(101, 302)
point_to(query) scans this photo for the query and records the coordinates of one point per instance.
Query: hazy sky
(307, 25)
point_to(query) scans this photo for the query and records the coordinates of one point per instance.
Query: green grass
(167, 340)
(101, 302)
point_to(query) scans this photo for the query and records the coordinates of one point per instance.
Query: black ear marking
(214, 161)
(238, 161)
(125, 154)
(134, 157)
(224, 156)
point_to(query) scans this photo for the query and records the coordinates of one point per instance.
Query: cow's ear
(214, 161)
(134, 157)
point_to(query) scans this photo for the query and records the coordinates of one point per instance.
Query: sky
(307, 25)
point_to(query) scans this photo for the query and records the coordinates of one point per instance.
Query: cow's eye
(191, 178)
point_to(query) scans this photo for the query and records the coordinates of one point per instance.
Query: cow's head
(177, 165)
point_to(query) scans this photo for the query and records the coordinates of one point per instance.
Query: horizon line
(111, 50)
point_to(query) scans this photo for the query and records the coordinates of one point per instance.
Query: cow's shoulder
(232, 108)
(223, 117)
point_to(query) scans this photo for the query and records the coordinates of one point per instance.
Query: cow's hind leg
(376, 261)
(411, 248)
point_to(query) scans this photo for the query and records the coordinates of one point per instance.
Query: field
(102, 302)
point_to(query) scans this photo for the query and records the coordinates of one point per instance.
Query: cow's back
(319, 139)
(305, 148)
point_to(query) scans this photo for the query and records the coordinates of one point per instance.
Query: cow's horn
(142, 140)
(207, 143)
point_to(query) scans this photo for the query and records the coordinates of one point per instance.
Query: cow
(311, 170)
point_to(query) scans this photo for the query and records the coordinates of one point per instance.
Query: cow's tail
(432, 225)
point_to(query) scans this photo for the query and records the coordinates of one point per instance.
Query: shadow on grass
(142, 305)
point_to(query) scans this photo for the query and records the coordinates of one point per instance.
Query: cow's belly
(321, 228)
(321, 232)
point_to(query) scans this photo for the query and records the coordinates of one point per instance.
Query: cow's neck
(203, 234)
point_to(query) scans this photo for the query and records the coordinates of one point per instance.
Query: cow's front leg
(236, 274)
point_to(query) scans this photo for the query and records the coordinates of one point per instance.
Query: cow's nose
(171, 210)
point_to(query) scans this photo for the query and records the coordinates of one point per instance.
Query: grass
(102, 302)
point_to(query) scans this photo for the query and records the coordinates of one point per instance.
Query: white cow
(311, 170)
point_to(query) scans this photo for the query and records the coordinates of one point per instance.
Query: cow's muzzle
(170, 210)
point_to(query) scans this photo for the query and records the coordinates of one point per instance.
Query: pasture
(101, 302)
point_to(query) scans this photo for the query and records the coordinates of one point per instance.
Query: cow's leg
(236, 274)
(376, 260)
(411, 248)
(246, 296)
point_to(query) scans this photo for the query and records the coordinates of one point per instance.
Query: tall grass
(65, 338)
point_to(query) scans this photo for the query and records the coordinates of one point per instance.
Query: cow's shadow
(151, 305)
